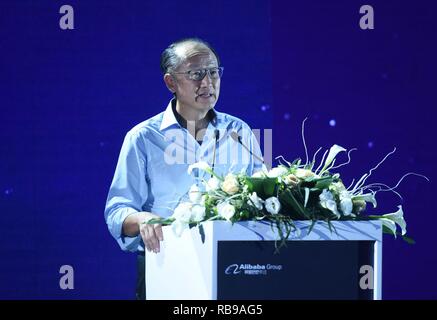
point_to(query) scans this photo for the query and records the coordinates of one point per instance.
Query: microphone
(216, 137)
(237, 138)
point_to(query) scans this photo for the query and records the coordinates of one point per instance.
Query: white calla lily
(202, 165)
(398, 218)
(368, 197)
(307, 196)
(389, 224)
(346, 204)
(327, 201)
(256, 201)
(335, 149)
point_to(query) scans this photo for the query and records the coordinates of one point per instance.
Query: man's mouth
(205, 95)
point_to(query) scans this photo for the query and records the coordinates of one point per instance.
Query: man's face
(200, 95)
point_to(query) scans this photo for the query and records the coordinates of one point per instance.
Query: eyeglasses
(198, 75)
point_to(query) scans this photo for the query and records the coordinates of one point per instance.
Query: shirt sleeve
(128, 191)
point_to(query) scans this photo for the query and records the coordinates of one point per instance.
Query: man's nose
(206, 81)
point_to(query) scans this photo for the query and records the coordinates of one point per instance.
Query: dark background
(316, 270)
(67, 98)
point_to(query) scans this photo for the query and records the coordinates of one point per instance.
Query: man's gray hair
(170, 60)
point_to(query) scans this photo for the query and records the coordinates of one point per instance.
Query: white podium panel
(189, 267)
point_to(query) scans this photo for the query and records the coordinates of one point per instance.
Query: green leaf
(269, 186)
(408, 240)
(249, 183)
(288, 198)
(329, 225)
(313, 223)
(164, 222)
(264, 187)
(244, 215)
(255, 184)
(202, 233)
(323, 183)
(387, 230)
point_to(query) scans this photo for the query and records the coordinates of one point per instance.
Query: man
(151, 175)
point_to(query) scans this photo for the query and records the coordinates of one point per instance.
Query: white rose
(277, 172)
(182, 212)
(212, 184)
(202, 200)
(195, 194)
(337, 187)
(259, 174)
(226, 210)
(230, 185)
(178, 227)
(304, 173)
(291, 180)
(255, 200)
(197, 213)
(273, 205)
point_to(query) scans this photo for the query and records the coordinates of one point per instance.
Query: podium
(238, 262)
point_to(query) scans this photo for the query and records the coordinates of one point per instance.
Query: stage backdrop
(68, 97)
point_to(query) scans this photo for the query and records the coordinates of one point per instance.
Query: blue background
(67, 98)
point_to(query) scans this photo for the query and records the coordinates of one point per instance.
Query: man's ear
(170, 82)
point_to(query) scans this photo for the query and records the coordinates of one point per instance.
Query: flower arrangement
(286, 193)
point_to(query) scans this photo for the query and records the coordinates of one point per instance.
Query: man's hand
(150, 233)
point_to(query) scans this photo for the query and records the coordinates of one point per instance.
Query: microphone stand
(216, 137)
(237, 138)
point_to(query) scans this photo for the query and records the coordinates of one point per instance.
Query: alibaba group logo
(233, 269)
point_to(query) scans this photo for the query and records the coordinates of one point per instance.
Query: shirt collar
(169, 118)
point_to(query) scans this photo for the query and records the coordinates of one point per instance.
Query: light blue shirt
(151, 173)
